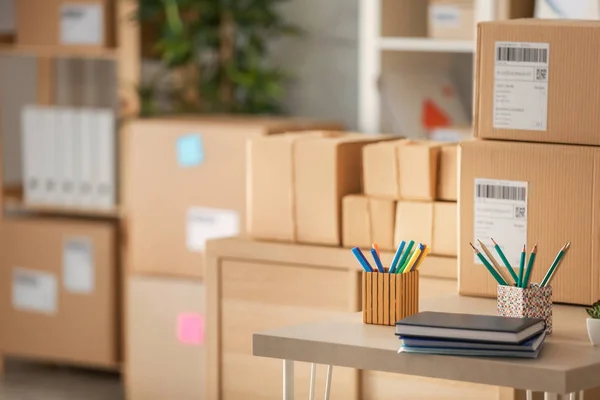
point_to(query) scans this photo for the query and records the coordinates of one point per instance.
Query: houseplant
(593, 323)
(218, 52)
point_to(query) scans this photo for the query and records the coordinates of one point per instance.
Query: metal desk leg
(288, 380)
(313, 375)
(529, 395)
(581, 393)
(328, 382)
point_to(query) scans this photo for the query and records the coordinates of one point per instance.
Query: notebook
(529, 345)
(471, 353)
(469, 327)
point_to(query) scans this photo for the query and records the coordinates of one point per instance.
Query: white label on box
(445, 16)
(78, 265)
(501, 214)
(81, 24)
(34, 291)
(521, 85)
(209, 223)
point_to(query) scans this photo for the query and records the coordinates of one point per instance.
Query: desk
(566, 365)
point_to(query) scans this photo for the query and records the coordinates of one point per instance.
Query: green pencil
(404, 257)
(530, 263)
(522, 266)
(505, 261)
(489, 267)
(555, 264)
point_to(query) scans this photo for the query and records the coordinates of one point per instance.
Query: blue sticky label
(190, 150)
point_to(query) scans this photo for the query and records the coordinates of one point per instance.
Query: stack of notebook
(471, 335)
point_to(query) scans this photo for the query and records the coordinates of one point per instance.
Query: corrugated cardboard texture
(159, 191)
(380, 170)
(418, 168)
(573, 101)
(414, 221)
(159, 366)
(367, 220)
(84, 328)
(563, 202)
(38, 22)
(462, 26)
(447, 184)
(445, 229)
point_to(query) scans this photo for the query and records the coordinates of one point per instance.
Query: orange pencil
(376, 247)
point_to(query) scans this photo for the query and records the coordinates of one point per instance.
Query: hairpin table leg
(581, 393)
(313, 374)
(529, 395)
(550, 396)
(328, 382)
(288, 380)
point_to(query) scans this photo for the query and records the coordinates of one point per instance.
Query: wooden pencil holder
(533, 302)
(388, 298)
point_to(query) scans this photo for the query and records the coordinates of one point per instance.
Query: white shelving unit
(373, 43)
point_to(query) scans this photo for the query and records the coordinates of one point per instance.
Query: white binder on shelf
(50, 192)
(87, 158)
(65, 154)
(105, 185)
(31, 148)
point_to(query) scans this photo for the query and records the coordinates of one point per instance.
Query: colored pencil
(396, 258)
(522, 266)
(530, 263)
(489, 267)
(404, 257)
(376, 247)
(492, 259)
(555, 264)
(410, 264)
(422, 257)
(377, 260)
(362, 260)
(505, 261)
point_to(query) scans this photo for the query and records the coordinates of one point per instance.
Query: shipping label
(34, 291)
(205, 223)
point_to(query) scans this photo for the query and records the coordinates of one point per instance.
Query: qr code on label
(541, 74)
(519, 212)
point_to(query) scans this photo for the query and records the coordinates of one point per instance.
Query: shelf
(426, 45)
(12, 205)
(57, 52)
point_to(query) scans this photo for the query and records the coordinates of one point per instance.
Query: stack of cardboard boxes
(184, 183)
(535, 181)
(410, 192)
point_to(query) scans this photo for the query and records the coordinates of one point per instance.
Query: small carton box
(527, 194)
(166, 329)
(388, 298)
(414, 221)
(447, 183)
(444, 240)
(368, 220)
(533, 81)
(59, 291)
(314, 194)
(380, 169)
(532, 302)
(451, 19)
(85, 24)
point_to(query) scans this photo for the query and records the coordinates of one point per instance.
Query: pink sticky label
(190, 329)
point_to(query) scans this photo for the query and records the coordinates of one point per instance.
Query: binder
(105, 186)
(31, 151)
(65, 154)
(87, 158)
(48, 145)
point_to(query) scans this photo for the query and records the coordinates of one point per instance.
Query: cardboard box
(165, 339)
(451, 19)
(447, 179)
(445, 229)
(414, 221)
(531, 193)
(368, 220)
(401, 169)
(85, 24)
(253, 286)
(292, 199)
(567, 9)
(59, 291)
(533, 81)
(185, 182)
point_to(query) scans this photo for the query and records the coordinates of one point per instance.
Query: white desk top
(567, 363)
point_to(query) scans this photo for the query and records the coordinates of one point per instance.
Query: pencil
(495, 264)
(530, 263)
(522, 266)
(422, 257)
(505, 261)
(405, 264)
(485, 262)
(555, 264)
(376, 247)
(377, 260)
(396, 258)
(413, 260)
(398, 268)
(361, 259)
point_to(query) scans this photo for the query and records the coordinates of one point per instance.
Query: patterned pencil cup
(533, 302)
(388, 298)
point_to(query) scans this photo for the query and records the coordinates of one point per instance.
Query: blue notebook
(471, 352)
(529, 345)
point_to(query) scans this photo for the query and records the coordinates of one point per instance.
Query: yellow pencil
(425, 252)
(412, 260)
(495, 264)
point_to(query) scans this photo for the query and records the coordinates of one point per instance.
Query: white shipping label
(209, 223)
(501, 214)
(34, 291)
(521, 85)
(445, 16)
(81, 24)
(78, 265)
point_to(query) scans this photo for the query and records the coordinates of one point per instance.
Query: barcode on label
(520, 54)
(499, 192)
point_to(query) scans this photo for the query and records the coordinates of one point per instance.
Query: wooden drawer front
(257, 296)
(385, 386)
